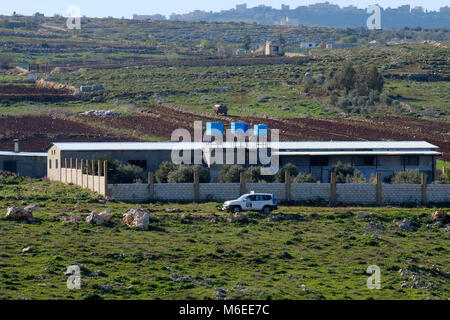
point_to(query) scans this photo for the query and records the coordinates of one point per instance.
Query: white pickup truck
(264, 202)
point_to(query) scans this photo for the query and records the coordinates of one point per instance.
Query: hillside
(191, 250)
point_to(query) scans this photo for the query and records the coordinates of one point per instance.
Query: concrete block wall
(349, 194)
(219, 191)
(94, 183)
(310, 191)
(401, 193)
(356, 193)
(438, 193)
(174, 191)
(129, 192)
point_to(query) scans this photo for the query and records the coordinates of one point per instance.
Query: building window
(321, 161)
(56, 164)
(49, 164)
(367, 161)
(412, 160)
(10, 166)
(139, 163)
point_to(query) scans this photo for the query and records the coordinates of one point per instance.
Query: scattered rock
(97, 273)
(137, 218)
(26, 250)
(405, 224)
(374, 226)
(237, 217)
(220, 294)
(439, 224)
(283, 217)
(439, 216)
(447, 229)
(99, 219)
(100, 113)
(70, 219)
(16, 213)
(172, 210)
(31, 208)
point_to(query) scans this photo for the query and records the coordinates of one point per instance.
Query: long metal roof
(289, 146)
(23, 154)
(360, 153)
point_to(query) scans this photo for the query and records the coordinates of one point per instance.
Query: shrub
(164, 170)
(128, 173)
(231, 173)
(346, 173)
(185, 174)
(408, 176)
(292, 169)
(304, 178)
(253, 174)
(357, 178)
(333, 100)
(342, 171)
(119, 172)
(5, 61)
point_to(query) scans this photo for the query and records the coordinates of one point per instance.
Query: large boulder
(439, 216)
(405, 224)
(31, 208)
(237, 217)
(374, 226)
(137, 218)
(71, 219)
(99, 219)
(17, 213)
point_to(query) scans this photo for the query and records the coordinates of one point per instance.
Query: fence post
(287, 184)
(93, 174)
(196, 187)
(71, 167)
(333, 191)
(243, 184)
(76, 171)
(65, 170)
(424, 188)
(99, 174)
(105, 173)
(151, 186)
(379, 190)
(82, 172)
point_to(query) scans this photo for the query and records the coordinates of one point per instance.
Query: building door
(10, 166)
(318, 165)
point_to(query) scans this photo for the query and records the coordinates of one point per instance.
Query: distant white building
(273, 49)
(289, 22)
(148, 17)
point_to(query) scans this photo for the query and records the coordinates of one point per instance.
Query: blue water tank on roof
(239, 127)
(260, 130)
(214, 128)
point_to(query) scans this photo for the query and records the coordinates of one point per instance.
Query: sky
(121, 8)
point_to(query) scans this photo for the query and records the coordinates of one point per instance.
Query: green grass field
(189, 253)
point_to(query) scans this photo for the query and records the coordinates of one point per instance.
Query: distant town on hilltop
(320, 14)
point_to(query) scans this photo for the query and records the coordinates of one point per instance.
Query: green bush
(231, 173)
(357, 177)
(185, 174)
(164, 170)
(253, 175)
(119, 172)
(346, 173)
(289, 167)
(408, 176)
(304, 178)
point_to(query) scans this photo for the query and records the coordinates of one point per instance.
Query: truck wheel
(266, 210)
(237, 209)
